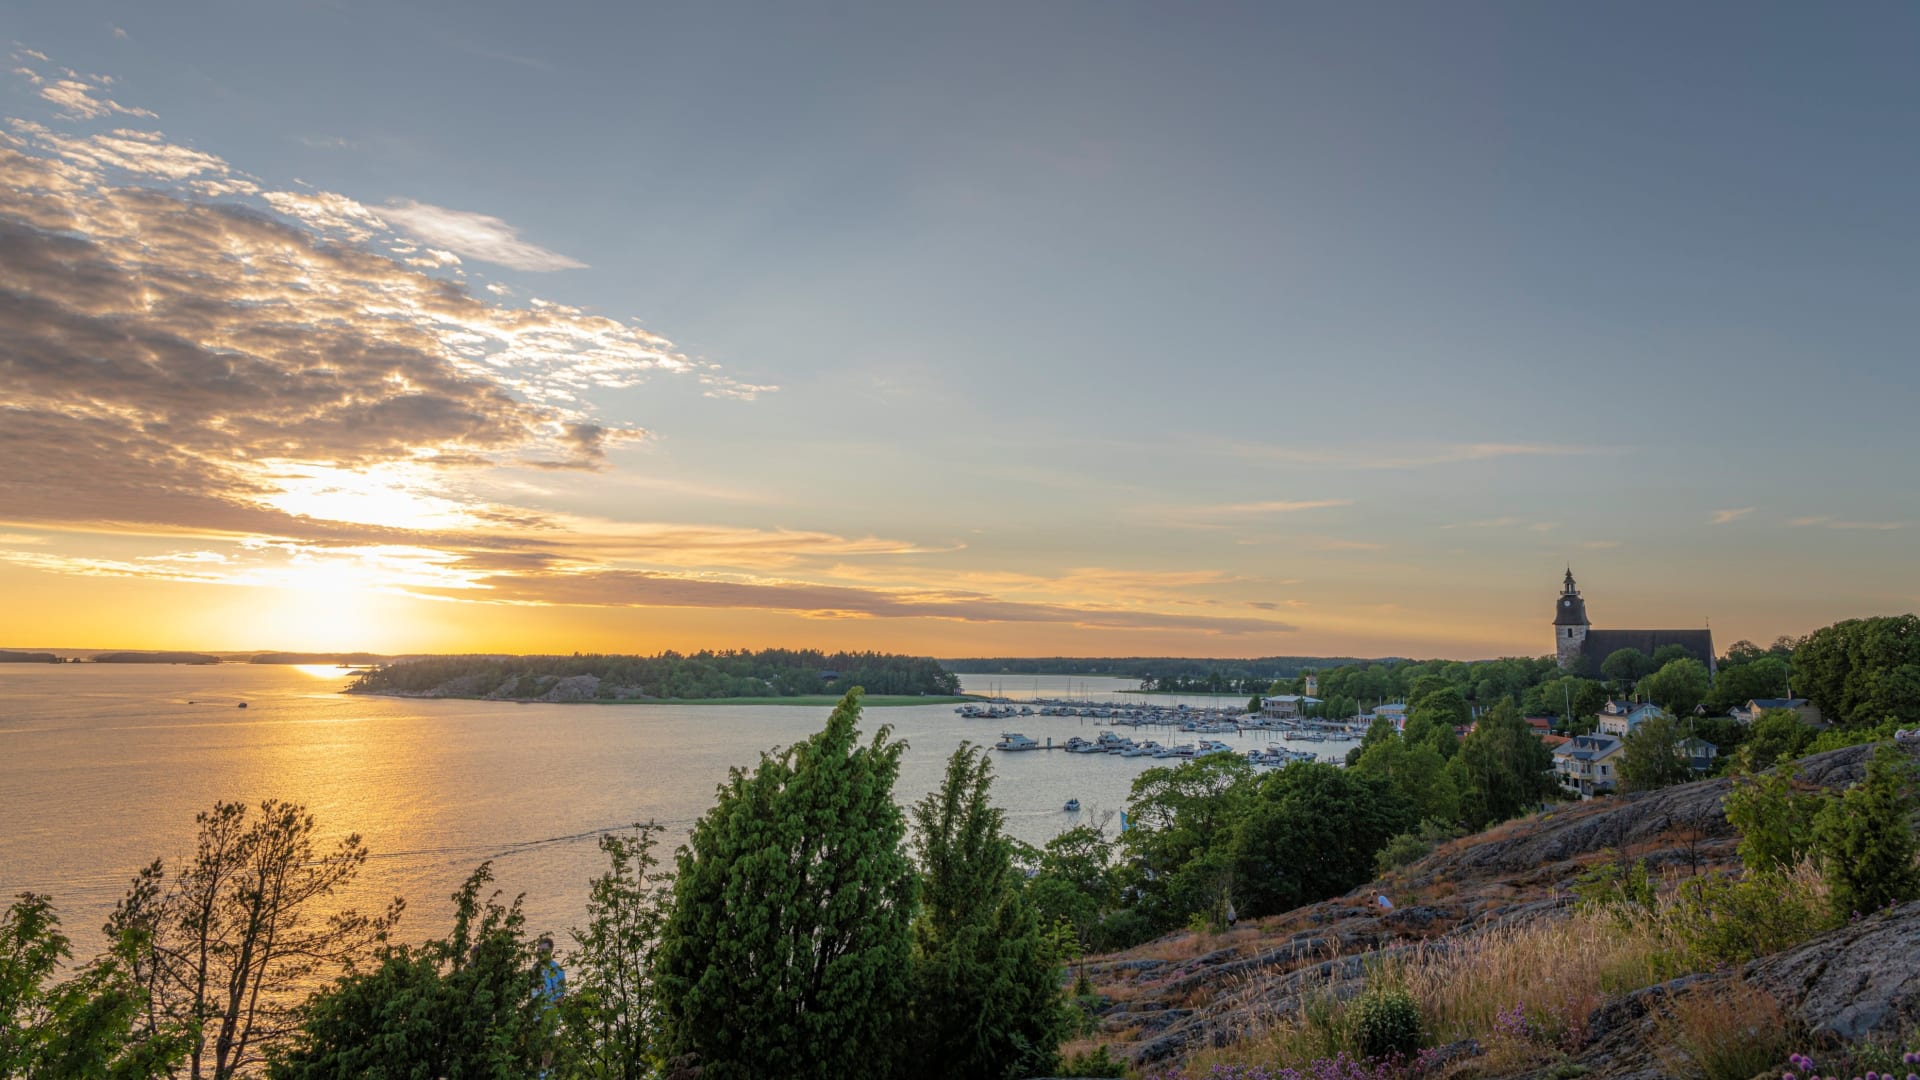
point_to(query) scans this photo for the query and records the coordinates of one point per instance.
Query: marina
(1321, 736)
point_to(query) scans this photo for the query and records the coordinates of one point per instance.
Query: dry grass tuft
(1728, 1032)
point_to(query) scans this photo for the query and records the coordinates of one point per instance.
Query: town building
(1588, 765)
(1751, 711)
(1285, 706)
(1623, 718)
(1581, 649)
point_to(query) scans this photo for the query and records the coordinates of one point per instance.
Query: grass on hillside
(1525, 993)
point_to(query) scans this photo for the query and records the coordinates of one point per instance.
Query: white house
(1286, 706)
(1588, 765)
(1622, 718)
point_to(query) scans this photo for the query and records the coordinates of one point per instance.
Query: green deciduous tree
(1676, 686)
(1419, 773)
(86, 1027)
(1503, 769)
(1074, 882)
(1432, 718)
(611, 1029)
(1626, 667)
(1312, 831)
(1569, 697)
(1865, 838)
(1862, 671)
(1776, 735)
(1774, 820)
(987, 1004)
(1651, 756)
(788, 948)
(228, 941)
(1736, 684)
(1182, 817)
(464, 1006)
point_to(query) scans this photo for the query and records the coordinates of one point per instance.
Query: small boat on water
(1072, 807)
(1013, 740)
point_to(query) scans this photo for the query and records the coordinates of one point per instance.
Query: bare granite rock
(1858, 981)
(574, 688)
(1636, 819)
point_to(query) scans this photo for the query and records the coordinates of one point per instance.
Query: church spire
(1570, 610)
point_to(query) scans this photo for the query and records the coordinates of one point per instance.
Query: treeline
(705, 674)
(1540, 688)
(810, 928)
(1265, 669)
(13, 657)
(155, 658)
(1214, 840)
(356, 659)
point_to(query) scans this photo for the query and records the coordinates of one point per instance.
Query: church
(1582, 649)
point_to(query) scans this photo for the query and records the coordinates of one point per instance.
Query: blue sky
(1375, 315)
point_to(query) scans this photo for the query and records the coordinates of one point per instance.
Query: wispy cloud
(1722, 517)
(1826, 522)
(475, 235)
(1410, 456)
(1275, 506)
(1335, 543)
(77, 96)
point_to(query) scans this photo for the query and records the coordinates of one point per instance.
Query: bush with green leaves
(1728, 920)
(90, 1026)
(610, 1029)
(1627, 889)
(1410, 847)
(1385, 1022)
(1865, 838)
(1774, 819)
(461, 1006)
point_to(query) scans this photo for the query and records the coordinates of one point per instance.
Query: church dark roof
(1601, 644)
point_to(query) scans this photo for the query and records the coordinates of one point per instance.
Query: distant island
(775, 676)
(155, 658)
(27, 657)
(351, 659)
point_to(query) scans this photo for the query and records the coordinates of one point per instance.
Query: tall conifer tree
(988, 1003)
(788, 948)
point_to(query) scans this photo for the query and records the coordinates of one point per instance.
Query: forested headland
(704, 675)
(1236, 676)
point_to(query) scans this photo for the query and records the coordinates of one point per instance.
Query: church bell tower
(1570, 625)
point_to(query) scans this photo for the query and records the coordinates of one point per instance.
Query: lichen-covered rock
(574, 688)
(1858, 981)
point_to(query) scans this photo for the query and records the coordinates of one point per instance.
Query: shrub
(1616, 887)
(1098, 1062)
(1732, 1033)
(1775, 822)
(1386, 1022)
(1865, 838)
(1724, 920)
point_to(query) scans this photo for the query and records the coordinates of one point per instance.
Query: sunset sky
(1081, 329)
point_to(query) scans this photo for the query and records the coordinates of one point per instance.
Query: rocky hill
(1193, 998)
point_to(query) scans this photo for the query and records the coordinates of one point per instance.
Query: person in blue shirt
(550, 985)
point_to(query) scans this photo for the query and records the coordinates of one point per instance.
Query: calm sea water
(102, 768)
